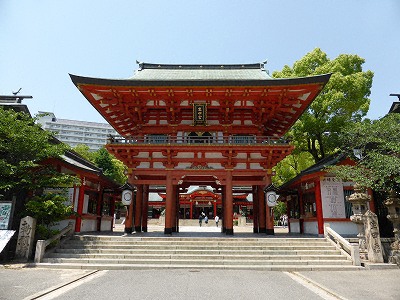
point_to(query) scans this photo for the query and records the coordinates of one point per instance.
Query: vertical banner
(332, 197)
(199, 113)
(5, 214)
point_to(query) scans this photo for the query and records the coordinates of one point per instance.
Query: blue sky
(44, 40)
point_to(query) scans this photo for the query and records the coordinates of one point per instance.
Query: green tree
(344, 100)
(84, 151)
(23, 146)
(377, 153)
(111, 166)
(291, 166)
(279, 209)
(48, 209)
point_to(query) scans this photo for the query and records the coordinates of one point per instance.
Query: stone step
(195, 247)
(116, 252)
(286, 268)
(212, 251)
(270, 239)
(198, 262)
(205, 243)
(198, 257)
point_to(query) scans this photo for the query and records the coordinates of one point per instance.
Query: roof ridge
(143, 65)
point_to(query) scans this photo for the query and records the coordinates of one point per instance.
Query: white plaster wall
(215, 165)
(311, 227)
(241, 166)
(294, 227)
(183, 165)
(105, 225)
(88, 225)
(143, 165)
(344, 228)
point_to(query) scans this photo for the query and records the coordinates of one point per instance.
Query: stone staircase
(122, 253)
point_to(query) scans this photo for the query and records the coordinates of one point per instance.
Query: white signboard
(332, 197)
(5, 213)
(5, 236)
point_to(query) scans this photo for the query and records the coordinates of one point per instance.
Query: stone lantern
(359, 200)
(393, 205)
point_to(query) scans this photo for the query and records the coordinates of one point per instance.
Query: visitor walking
(216, 220)
(206, 220)
(200, 220)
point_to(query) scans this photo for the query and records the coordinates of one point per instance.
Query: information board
(5, 214)
(332, 197)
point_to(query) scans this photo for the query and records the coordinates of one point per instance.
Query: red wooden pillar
(262, 219)
(318, 205)
(145, 208)
(214, 208)
(138, 208)
(255, 210)
(176, 192)
(301, 205)
(229, 204)
(174, 208)
(112, 210)
(79, 211)
(372, 201)
(223, 201)
(191, 210)
(99, 207)
(129, 217)
(169, 205)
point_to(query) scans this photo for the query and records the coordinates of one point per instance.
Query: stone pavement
(19, 281)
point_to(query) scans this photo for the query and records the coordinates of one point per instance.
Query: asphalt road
(35, 283)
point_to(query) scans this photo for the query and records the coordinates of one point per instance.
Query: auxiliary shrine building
(214, 126)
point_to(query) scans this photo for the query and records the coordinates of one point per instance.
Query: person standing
(206, 220)
(216, 220)
(200, 220)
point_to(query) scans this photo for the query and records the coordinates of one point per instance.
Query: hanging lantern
(127, 194)
(271, 196)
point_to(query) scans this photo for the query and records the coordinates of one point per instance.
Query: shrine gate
(204, 125)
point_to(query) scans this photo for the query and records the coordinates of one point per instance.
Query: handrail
(42, 244)
(210, 140)
(350, 250)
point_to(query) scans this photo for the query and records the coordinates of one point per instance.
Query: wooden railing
(208, 140)
(41, 245)
(352, 251)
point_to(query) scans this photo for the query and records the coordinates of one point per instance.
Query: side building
(73, 132)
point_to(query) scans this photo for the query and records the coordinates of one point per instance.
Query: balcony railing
(205, 140)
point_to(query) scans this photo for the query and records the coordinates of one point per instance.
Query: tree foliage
(48, 209)
(112, 167)
(84, 151)
(23, 145)
(377, 156)
(344, 100)
(291, 166)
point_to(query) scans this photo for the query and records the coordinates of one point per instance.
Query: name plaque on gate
(199, 114)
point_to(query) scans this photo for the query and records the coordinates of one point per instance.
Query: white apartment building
(73, 132)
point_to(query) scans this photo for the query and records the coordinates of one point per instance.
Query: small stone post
(393, 205)
(359, 201)
(26, 238)
(372, 237)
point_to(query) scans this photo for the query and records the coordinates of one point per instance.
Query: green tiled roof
(154, 72)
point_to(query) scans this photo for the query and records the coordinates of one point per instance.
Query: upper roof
(151, 72)
(245, 93)
(395, 108)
